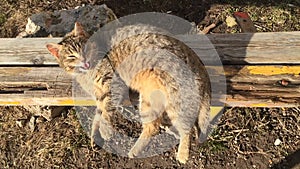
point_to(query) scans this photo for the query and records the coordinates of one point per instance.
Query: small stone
(22, 34)
(291, 5)
(48, 112)
(21, 122)
(277, 142)
(40, 119)
(31, 27)
(284, 82)
(32, 123)
(51, 112)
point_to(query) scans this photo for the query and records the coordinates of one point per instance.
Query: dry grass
(244, 138)
(268, 16)
(250, 132)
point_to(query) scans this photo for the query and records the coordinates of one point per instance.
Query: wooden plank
(26, 51)
(34, 82)
(258, 48)
(246, 86)
(244, 48)
(263, 70)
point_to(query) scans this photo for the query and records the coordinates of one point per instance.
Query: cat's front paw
(101, 130)
(132, 153)
(138, 147)
(95, 134)
(106, 130)
(182, 156)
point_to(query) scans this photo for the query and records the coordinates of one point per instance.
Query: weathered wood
(24, 82)
(246, 86)
(257, 48)
(261, 69)
(27, 51)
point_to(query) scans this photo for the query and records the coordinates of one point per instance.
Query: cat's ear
(79, 31)
(54, 49)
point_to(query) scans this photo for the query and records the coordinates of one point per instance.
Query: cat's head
(68, 52)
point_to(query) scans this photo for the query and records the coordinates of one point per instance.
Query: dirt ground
(244, 137)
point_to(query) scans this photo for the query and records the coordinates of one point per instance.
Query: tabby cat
(160, 97)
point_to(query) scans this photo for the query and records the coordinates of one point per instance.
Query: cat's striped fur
(160, 99)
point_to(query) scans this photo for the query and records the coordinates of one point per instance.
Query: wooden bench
(262, 70)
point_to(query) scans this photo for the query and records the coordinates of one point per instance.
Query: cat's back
(135, 32)
(132, 39)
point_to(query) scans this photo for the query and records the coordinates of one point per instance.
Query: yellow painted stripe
(274, 70)
(259, 105)
(77, 102)
(10, 103)
(215, 111)
(59, 102)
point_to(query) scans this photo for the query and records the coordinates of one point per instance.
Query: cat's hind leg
(151, 112)
(181, 132)
(183, 148)
(149, 129)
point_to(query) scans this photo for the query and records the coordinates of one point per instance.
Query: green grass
(214, 146)
(2, 19)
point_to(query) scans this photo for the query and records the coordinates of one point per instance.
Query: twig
(239, 130)
(242, 129)
(207, 29)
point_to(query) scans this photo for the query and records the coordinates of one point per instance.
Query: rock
(40, 119)
(277, 142)
(32, 123)
(48, 112)
(21, 122)
(58, 23)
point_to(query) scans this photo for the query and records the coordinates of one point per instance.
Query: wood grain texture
(258, 48)
(243, 48)
(51, 86)
(27, 51)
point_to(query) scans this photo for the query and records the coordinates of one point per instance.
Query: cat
(160, 99)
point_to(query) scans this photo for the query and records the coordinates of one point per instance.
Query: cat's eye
(72, 57)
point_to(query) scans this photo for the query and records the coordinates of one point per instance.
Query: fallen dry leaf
(230, 21)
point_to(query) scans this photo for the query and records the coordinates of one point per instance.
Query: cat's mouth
(84, 67)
